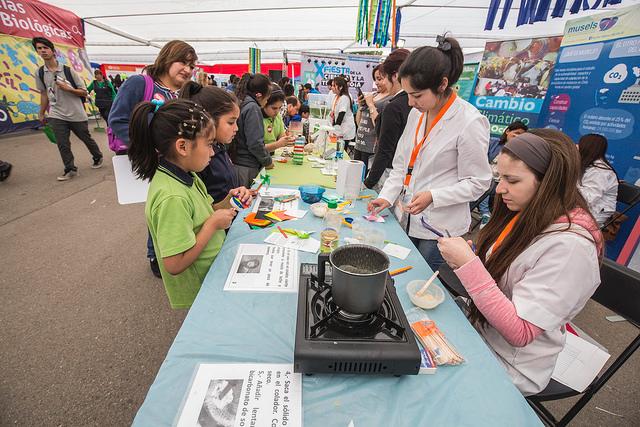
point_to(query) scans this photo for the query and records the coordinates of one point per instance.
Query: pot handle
(323, 258)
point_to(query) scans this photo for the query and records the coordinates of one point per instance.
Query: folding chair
(619, 291)
(629, 195)
(475, 205)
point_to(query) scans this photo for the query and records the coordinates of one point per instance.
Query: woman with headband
(537, 261)
(440, 164)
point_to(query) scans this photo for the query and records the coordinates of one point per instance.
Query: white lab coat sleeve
(474, 171)
(395, 182)
(343, 105)
(592, 186)
(563, 276)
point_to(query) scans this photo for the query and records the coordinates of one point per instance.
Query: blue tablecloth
(241, 327)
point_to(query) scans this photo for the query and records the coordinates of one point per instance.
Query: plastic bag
(50, 135)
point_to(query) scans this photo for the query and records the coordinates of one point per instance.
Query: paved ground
(84, 325)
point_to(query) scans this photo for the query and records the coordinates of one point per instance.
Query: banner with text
(318, 69)
(19, 22)
(513, 80)
(464, 85)
(596, 89)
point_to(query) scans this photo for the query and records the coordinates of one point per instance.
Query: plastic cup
(375, 236)
(360, 228)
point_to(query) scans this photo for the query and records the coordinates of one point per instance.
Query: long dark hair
(556, 196)
(174, 51)
(216, 101)
(251, 84)
(426, 66)
(343, 87)
(593, 147)
(155, 132)
(516, 124)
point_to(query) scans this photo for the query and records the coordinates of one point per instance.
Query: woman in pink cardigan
(537, 261)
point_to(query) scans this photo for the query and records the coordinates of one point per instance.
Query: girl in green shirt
(169, 144)
(275, 134)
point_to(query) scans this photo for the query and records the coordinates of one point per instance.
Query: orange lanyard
(417, 146)
(504, 233)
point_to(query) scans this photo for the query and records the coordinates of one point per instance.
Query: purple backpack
(115, 143)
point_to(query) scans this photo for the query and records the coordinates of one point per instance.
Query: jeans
(483, 207)
(486, 204)
(151, 253)
(429, 251)
(62, 129)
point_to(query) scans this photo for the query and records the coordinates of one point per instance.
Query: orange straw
(283, 233)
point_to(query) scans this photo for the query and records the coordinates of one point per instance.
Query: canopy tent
(124, 31)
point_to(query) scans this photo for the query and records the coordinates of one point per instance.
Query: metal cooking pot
(359, 277)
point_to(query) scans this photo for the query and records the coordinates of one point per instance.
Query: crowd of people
(427, 153)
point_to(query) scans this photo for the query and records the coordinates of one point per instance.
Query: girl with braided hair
(170, 143)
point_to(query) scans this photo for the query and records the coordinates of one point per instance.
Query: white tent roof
(222, 30)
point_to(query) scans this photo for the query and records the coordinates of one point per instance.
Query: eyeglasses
(191, 65)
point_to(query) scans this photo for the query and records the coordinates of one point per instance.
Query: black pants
(62, 129)
(364, 157)
(104, 112)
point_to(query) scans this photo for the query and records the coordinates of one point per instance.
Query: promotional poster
(464, 86)
(513, 80)
(318, 69)
(596, 89)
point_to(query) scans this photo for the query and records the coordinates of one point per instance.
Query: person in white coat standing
(599, 182)
(441, 162)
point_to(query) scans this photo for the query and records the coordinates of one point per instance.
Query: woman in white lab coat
(341, 111)
(441, 162)
(599, 182)
(537, 261)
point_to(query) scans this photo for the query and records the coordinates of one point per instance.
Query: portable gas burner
(331, 340)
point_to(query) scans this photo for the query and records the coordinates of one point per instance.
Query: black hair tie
(443, 44)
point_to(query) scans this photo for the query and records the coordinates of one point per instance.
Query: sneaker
(155, 268)
(67, 175)
(97, 164)
(485, 219)
(5, 170)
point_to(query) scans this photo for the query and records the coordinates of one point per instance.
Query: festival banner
(464, 86)
(513, 80)
(19, 22)
(596, 89)
(357, 69)
(31, 18)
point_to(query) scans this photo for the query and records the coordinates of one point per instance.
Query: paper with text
(235, 395)
(263, 268)
(578, 363)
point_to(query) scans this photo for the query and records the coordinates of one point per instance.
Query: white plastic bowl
(432, 298)
(319, 209)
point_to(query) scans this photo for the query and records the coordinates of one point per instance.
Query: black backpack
(67, 75)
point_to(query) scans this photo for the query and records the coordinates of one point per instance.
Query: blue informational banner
(596, 89)
(513, 80)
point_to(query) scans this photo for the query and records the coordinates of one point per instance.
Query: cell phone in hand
(361, 95)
